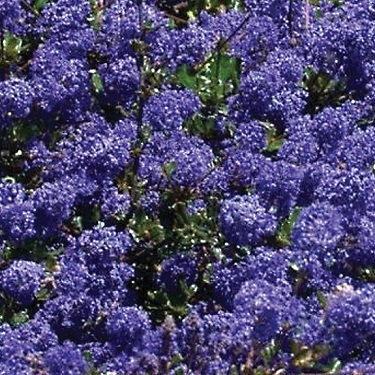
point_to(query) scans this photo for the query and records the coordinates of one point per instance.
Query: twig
(30, 8)
(222, 43)
(1, 43)
(181, 20)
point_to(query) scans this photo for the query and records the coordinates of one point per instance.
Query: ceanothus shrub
(186, 187)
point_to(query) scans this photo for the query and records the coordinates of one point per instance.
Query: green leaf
(202, 126)
(39, 4)
(96, 14)
(269, 352)
(87, 356)
(275, 145)
(308, 357)
(323, 90)
(22, 132)
(12, 46)
(260, 370)
(182, 217)
(51, 260)
(322, 299)
(20, 318)
(159, 297)
(168, 169)
(42, 295)
(187, 77)
(176, 359)
(216, 78)
(228, 69)
(274, 140)
(285, 230)
(156, 232)
(97, 82)
(332, 368)
(50, 263)
(187, 290)
(337, 3)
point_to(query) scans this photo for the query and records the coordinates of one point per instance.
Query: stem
(30, 8)
(178, 19)
(222, 43)
(1, 44)
(139, 118)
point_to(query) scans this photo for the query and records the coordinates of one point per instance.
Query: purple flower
(244, 221)
(189, 158)
(17, 216)
(267, 304)
(17, 221)
(120, 80)
(21, 280)
(63, 16)
(278, 185)
(16, 98)
(65, 359)
(349, 318)
(180, 268)
(61, 83)
(170, 109)
(127, 327)
(10, 13)
(319, 229)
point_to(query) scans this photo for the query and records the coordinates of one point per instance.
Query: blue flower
(21, 280)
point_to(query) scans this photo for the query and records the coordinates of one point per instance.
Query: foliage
(187, 187)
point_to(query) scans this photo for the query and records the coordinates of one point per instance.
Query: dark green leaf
(39, 4)
(284, 232)
(322, 299)
(158, 297)
(176, 359)
(228, 69)
(269, 352)
(216, 78)
(323, 90)
(187, 77)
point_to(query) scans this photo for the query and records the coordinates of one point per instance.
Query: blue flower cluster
(187, 187)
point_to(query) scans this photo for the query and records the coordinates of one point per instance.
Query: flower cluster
(187, 187)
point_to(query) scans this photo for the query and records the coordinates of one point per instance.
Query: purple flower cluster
(21, 280)
(245, 221)
(170, 109)
(187, 187)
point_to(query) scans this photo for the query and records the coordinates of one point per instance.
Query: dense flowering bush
(187, 187)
